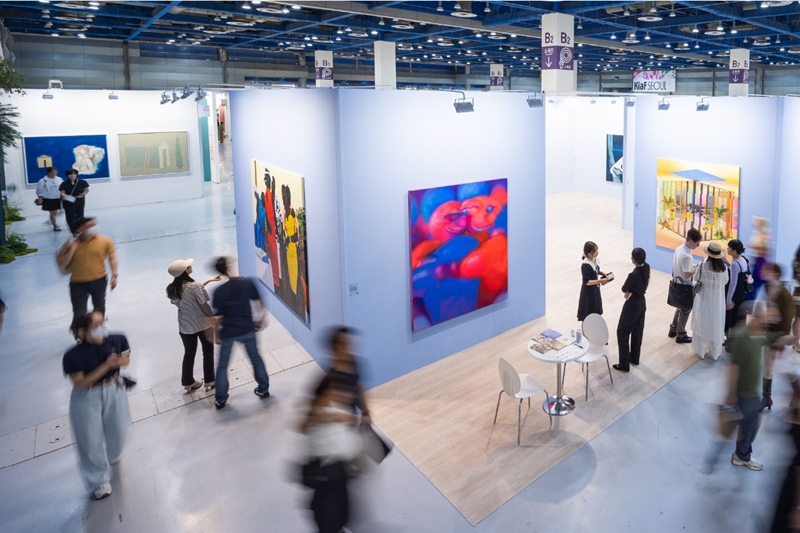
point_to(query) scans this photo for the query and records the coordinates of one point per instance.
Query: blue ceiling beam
(166, 9)
(738, 12)
(325, 18)
(380, 5)
(592, 6)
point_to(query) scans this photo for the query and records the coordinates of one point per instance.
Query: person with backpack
(738, 280)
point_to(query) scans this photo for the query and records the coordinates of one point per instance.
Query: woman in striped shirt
(195, 322)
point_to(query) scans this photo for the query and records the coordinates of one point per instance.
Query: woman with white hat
(708, 313)
(195, 322)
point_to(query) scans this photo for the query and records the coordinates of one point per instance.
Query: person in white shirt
(48, 196)
(683, 268)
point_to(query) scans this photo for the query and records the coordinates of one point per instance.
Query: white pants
(99, 418)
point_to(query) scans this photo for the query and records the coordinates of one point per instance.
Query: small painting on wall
(85, 153)
(704, 196)
(152, 154)
(614, 158)
(458, 238)
(279, 214)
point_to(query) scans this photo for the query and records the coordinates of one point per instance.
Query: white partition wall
(787, 224)
(92, 113)
(734, 131)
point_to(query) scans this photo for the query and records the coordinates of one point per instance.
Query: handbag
(697, 287)
(680, 295)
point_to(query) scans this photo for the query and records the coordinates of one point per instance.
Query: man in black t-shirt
(98, 405)
(231, 304)
(73, 197)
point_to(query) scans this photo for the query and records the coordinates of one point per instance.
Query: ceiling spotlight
(733, 28)
(720, 27)
(164, 98)
(653, 9)
(702, 105)
(764, 4)
(669, 45)
(81, 36)
(374, 32)
(663, 105)
(533, 101)
(464, 105)
(487, 9)
(672, 13)
(626, 13)
(778, 40)
(381, 23)
(296, 7)
(339, 31)
(695, 29)
(579, 26)
(646, 36)
(47, 96)
(457, 7)
(175, 96)
(697, 45)
(745, 40)
(440, 8)
(613, 35)
(246, 5)
(348, 29)
(113, 96)
(513, 35)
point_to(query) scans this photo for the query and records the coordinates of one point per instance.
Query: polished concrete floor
(187, 467)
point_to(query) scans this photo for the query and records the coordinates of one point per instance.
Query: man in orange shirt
(85, 258)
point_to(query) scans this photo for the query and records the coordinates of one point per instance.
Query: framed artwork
(152, 154)
(458, 238)
(279, 214)
(704, 196)
(85, 153)
(614, 158)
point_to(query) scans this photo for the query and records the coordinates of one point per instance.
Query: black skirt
(51, 204)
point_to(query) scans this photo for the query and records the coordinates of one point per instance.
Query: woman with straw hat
(195, 322)
(708, 318)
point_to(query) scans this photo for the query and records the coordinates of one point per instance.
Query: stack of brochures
(547, 341)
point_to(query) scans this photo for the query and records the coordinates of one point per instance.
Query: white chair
(518, 386)
(596, 332)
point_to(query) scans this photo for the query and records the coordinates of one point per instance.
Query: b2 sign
(654, 81)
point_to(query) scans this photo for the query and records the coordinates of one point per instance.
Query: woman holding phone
(590, 300)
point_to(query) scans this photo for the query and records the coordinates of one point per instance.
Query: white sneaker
(751, 464)
(102, 491)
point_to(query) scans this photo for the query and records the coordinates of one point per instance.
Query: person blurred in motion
(73, 198)
(195, 322)
(231, 303)
(708, 319)
(48, 196)
(796, 297)
(761, 248)
(775, 292)
(98, 405)
(630, 329)
(683, 268)
(334, 445)
(787, 512)
(2, 313)
(744, 379)
(345, 367)
(85, 258)
(736, 292)
(590, 300)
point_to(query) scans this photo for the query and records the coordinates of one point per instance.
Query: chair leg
(529, 402)
(547, 397)
(519, 421)
(609, 369)
(497, 408)
(587, 383)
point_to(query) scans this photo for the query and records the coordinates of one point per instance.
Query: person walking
(796, 298)
(73, 198)
(708, 318)
(98, 405)
(85, 258)
(748, 341)
(787, 512)
(737, 283)
(683, 269)
(590, 300)
(630, 329)
(48, 195)
(195, 322)
(775, 292)
(231, 303)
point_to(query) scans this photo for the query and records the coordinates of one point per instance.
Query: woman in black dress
(590, 300)
(631, 321)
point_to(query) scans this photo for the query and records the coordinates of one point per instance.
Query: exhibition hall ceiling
(429, 34)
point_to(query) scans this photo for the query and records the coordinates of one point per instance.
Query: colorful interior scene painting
(458, 237)
(279, 212)
(614, 158)
(696, 195)
(85, 153)
(148, 154)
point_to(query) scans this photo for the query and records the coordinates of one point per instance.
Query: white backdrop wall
(734, 131)
(92, 113)
(396, 141)
(294, 130)
(787, 226)
(576, 132)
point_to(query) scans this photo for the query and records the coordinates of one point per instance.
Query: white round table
(560, 404)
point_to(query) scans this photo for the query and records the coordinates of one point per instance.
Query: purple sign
(557, 58)
(496, 81)
(739, 75)
(324, 73)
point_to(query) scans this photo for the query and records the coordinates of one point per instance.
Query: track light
(47, 96)
(702, 105)
(175, 96)
(630, 101)
(533, 101)
(186, 92)
(672, 13)
(113, 96)
(733, 29)
(200, 93)
(695, 29)
(164, 98)
(440, 8)
(613, 35)
(663, 105)
(464, 105)
(487, 9)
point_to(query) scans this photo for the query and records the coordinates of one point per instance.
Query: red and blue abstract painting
(458, 238)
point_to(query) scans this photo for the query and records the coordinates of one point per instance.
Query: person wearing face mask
(98, 405)
(85, 258)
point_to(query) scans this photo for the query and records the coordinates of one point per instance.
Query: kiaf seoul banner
(654, 81)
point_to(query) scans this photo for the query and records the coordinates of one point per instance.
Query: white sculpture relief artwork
(87, 158)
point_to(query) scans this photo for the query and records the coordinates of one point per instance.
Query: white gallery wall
(734, 131)
(92, 113)
(787, 225)
(576, 132)
(294, 130)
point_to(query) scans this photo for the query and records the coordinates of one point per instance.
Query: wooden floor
(440, 416)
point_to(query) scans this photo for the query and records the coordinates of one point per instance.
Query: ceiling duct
(463, 9)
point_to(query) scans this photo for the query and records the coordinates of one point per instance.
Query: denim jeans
(748, 426)
(260, 371)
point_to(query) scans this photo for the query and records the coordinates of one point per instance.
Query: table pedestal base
(559, 405)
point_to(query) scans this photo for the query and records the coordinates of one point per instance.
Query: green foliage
(6, 255)
(10, 80)
(13, 212)
(17, 245)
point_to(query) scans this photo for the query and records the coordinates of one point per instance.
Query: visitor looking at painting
(683, 269)
(708, 319)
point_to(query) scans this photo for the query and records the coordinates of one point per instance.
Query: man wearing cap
(85, 258)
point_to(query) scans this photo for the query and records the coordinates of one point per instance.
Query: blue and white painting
(85, 153)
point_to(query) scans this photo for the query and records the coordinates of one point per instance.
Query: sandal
(209, 386)
(56, 228)
(194, 386)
